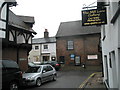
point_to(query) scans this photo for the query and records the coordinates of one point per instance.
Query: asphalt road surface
(65, 79)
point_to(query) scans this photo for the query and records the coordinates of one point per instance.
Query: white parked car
(38, 74)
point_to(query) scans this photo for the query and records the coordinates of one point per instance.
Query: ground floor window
(36, 58)
(46, 58)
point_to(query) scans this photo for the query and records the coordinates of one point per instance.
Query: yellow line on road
(83, 84)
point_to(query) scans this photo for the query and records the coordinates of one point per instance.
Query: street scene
(59, 44)
(65, 79)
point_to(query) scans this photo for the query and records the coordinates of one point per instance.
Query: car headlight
(29, 78)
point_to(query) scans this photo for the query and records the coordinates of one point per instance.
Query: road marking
(85, 82)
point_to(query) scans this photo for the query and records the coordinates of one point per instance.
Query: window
(36, 47)
(10, 64)
(49, 68)
(70, 45)
(45, 46)
(45, 68)
(110, 62)
(33, 70)
(2, 34)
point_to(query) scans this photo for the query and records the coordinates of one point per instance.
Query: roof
(44, 40)
(73, 28)
(10, 0)
(16, 21)
(27, 19)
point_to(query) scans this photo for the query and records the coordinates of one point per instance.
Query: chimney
(46, 33)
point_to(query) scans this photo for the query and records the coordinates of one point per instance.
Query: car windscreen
(10, 64)
(31, 64)
(33, 70)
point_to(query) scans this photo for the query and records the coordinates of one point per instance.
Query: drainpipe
(18, 55)
(18, 50)
(84, 63)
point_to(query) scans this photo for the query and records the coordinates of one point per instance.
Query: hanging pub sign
(94, 17)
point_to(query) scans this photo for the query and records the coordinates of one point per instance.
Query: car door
(44, 74)
(50, 72)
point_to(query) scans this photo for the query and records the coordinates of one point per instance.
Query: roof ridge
(44, 38)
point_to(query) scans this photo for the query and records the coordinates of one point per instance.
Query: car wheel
(54, 77)
(13, 86)
(38, 82)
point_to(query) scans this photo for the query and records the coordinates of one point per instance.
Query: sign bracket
(96, 6)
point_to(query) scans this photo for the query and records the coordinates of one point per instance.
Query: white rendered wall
(111, 44)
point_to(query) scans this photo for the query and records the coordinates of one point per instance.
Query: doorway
(46, 58)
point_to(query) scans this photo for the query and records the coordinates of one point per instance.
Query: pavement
(95, 80)
(80, 68)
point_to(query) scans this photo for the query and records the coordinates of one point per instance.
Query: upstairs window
(36, 47)
(70, 45)
(45, 46)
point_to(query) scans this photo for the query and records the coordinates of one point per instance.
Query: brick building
(77, 45)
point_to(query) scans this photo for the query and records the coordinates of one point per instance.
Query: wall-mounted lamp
(4, 13)
(9, 2)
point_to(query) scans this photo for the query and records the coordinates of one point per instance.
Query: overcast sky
(49, 14)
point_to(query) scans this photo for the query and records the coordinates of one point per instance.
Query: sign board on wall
(92, 57)
(22, 59)
(94, 17)
(72, 56)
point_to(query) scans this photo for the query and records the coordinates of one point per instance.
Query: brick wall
(10, 53)
(83, 46)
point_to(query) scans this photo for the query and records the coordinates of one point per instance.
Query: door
(46, 58)
(62, 59)
(106, 69)
(44, 74)
(47, 73)
(50, 73)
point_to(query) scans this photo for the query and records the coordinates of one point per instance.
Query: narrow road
(66, 79)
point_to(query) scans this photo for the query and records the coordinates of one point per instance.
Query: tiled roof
(44, 40)
(27, 19)
(18, 22)
(75, 28)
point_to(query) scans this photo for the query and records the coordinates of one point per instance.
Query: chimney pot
(46, 33)
(46, 30)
